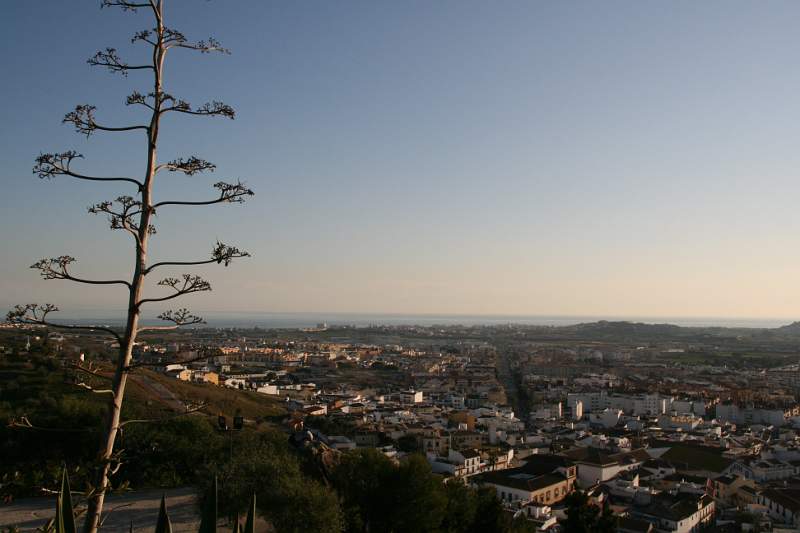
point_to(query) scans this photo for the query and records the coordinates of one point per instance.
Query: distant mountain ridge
(792, 329)
(624, 325)
(605, 330)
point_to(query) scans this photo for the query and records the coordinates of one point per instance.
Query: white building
(462, 463)
(577, 409)
(268, 389)
(783, 505)
(410, 397)
(686, 422)
(547, 411)
(608, 418)
(596, 466)
(736, 414)
(637, 405)
(684, 514)
(763, 469)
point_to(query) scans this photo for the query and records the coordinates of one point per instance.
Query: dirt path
(159, 392)
(138, 508)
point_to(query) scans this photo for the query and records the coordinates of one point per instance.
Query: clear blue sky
(614, 158)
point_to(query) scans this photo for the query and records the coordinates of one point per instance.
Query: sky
(451, 157)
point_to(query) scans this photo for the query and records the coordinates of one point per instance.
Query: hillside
(792, 329)
(218, 400)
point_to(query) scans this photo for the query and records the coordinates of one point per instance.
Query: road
(507, 378)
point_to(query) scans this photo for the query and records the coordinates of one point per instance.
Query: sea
(276, 320)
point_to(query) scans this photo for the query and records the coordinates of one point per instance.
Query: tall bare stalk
(134, 215)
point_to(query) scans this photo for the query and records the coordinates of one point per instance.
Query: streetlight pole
(238, 424)
(222, 427)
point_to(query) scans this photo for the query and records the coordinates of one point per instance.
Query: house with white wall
(782, 505)
(596, 466)
(683, 513)
(461, 464)
(545, 479)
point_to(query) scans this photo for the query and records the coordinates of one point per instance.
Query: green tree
(460, 511)
(408, 444)
(585, 517)
(489, 513)
(167, 454)
(262, 463)
(306, 505)
(419, 497)
(378, 496)
(361, 479)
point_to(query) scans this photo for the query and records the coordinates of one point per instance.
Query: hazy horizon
(302, 319)
(457, 158)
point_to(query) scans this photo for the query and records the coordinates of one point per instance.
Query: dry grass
(222, 400)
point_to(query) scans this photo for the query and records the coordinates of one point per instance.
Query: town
(693, 429)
